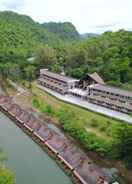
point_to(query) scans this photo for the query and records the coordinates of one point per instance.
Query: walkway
(96, 108)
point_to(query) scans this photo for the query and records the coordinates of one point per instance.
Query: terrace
(16, 110)
(7, 104)
(71, 155)
(4, 100)
(24, 116)
(57, 143)
(45, 133)
(33, 124)
(90, 173)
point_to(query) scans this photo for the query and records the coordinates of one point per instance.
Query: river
(29, 163)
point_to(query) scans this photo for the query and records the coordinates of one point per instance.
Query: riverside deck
(74, 159)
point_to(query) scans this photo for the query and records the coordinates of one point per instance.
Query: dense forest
(63, 30)
(59, 45)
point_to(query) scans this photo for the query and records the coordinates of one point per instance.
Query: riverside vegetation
(6, 177)
(109, 137)
(27, 46)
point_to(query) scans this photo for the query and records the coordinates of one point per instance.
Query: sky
(92, 16)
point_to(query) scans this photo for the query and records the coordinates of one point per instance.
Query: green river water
(29, 163)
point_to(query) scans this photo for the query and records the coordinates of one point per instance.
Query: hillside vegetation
(21, 37)
(64, 30)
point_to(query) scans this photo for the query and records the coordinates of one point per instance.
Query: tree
(6, 177)
(46, 56)
(122, 148)
(30, 72)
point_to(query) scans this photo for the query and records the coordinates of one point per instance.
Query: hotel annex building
(92, 88)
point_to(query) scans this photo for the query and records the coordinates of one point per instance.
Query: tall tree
(123, 146)
(46, 56)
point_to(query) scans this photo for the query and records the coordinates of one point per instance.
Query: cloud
(13, 4)
(106, 26)
(87, 15)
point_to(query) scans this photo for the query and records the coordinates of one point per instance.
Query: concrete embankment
(75, 161)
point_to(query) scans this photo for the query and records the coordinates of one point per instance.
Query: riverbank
(80, 117)
(74, 160)
(6, 176)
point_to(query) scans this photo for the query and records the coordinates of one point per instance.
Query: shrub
(65, 115)
(49, 110)
(6, 177)
(94, 122)
(42, 108)
(109, 131)
(103, 127)
(36, 103)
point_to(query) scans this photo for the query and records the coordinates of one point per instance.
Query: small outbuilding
(93, 78)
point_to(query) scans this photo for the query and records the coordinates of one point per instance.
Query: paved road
(90, 106)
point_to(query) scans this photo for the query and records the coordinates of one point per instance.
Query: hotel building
(56, 82)
(92, 89)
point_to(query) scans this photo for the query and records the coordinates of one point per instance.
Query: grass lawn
(102, 126)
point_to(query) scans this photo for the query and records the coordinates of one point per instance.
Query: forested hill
(56, 46)
(64, 30)
(21, 37)
(21, 33)
(109, 54)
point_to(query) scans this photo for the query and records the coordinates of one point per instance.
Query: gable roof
(57, 76)
(112, 89)
(94, 76)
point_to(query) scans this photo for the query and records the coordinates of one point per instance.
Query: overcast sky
(94, 16)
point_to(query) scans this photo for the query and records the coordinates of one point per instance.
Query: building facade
(59, 83)
(92, 89)
(110, 97)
